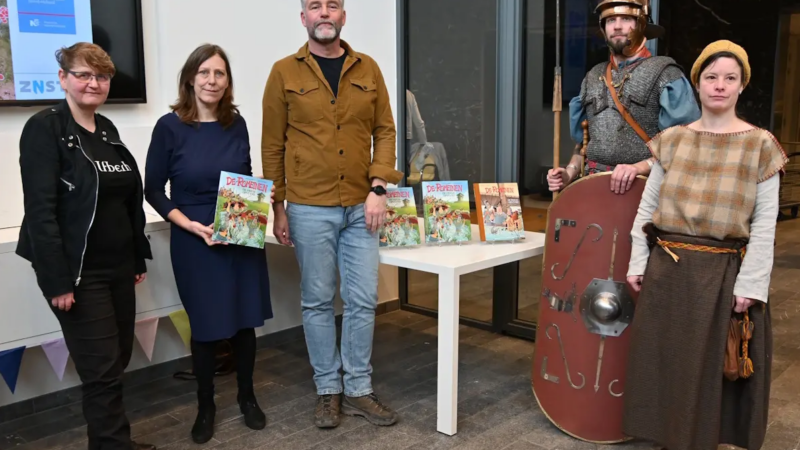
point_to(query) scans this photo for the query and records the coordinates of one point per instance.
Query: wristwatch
(378, 190)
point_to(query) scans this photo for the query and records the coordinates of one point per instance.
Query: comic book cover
(401, 227)
(446, 211)
(242, 210)
(499, 211)
(7, 91)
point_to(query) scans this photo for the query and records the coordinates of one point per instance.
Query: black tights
(204, 361)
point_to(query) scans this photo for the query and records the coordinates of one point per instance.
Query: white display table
(27, 321)
(449, 262)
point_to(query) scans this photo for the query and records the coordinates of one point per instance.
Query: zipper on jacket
(69, 185)
(96, 193)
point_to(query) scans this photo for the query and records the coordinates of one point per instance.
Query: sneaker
(370, 408)
(326, 414)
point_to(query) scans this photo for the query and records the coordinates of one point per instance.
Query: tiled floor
(496, 407)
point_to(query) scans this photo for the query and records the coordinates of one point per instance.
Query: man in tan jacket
(323, 109)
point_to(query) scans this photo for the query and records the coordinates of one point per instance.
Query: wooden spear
(557, 95)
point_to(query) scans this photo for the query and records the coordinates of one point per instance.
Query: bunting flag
(58, 354)
(10, 361)
(181, 321)
(145, 331)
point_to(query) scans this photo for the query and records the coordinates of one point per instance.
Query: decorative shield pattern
(582, 338)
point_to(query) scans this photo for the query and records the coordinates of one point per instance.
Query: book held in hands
(242, 210)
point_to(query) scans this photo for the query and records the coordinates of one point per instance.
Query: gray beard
(312, 33)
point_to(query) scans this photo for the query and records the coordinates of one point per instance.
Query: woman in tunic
(712, 193)
(224, 289)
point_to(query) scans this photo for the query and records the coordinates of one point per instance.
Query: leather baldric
(624, 111)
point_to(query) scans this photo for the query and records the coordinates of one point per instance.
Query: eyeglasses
(86, 77)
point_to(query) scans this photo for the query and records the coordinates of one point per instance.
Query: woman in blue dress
(224, 288)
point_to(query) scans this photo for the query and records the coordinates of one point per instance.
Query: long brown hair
(186, 106)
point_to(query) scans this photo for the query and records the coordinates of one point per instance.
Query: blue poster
(46, 16)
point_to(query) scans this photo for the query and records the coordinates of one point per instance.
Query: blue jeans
(324, 236)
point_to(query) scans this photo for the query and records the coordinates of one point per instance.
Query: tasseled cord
(745, 363)
(663, 245)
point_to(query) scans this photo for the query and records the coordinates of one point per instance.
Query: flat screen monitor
(31, 31)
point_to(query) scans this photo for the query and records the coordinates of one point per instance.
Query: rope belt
(746, 364)
(666, 245)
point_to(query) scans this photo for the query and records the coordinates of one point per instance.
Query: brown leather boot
(370, 408)
(326, 414)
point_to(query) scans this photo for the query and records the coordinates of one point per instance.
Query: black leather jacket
(60, 184)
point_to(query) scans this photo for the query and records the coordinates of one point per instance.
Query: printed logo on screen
(39, 87)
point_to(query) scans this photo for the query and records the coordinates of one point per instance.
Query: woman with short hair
(83, 232)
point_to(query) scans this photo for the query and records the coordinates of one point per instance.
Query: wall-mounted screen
(32, 30)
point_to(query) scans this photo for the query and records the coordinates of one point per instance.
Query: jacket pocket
(304, 99)
(69, 185)
(363, 96)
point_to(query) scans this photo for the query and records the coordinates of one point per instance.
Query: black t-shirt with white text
(110, 241)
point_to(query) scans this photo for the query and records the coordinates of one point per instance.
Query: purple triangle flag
(57, 354)
(10, 360)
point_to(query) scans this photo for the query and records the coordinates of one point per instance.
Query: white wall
(254, 33)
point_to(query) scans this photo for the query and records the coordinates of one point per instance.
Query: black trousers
(98, 331)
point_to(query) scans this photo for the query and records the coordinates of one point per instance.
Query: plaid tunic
(709, 187)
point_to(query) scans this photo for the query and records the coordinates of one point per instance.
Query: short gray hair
(303, 4)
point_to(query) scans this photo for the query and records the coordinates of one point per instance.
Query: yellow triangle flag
(181, 321)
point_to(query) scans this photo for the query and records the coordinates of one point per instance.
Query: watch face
(379, 190)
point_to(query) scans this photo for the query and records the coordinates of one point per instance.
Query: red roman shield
(582, 337)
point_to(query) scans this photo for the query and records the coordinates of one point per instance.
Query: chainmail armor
(611, 140)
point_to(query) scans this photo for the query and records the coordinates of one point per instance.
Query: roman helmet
(638, 9)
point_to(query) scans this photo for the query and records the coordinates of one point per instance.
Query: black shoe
(254, 418)
(203, 429)
(138, 446)
(326, 414)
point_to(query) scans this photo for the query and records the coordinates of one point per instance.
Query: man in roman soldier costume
(583, 334)
(626, 101)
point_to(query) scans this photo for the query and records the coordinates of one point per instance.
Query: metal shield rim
(546, 233)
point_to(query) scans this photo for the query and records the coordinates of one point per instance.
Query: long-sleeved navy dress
(224, 288)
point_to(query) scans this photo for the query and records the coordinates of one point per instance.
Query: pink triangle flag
(145, 331)
(58, 354)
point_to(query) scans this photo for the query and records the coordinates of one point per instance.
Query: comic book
(242, 210)
(446, 211)
(499, 211)
(401, 227)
